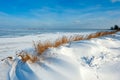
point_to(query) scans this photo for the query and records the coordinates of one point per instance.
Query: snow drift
(94, 59)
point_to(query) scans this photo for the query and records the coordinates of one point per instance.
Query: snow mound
(94, 59)
(50, 67)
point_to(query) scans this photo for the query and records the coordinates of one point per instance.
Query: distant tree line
(116, 27)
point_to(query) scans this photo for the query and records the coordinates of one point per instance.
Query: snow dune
(94, 59)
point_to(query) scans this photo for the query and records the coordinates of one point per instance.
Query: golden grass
(40, 47)
(27, 57)
(61, 41)
(77, 38)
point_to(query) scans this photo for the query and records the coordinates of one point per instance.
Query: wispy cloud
(115, 1)
(13, 21)
(46, 17)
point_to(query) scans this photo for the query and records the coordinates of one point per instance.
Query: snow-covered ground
(94, 59)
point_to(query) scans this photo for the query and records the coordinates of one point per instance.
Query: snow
(9, 46)
(94, 59)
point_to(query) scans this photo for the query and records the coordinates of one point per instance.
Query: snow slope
(94, 59)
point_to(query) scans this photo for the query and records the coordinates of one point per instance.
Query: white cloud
(115, 1)
(50, 17)
(13, 21)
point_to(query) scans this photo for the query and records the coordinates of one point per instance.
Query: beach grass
(41, 47)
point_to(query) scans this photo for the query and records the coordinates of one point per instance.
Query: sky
(59, 13)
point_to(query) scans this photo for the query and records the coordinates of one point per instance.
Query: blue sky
(59, 13)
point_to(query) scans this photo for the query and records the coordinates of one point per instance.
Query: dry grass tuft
(27, 57)
(40, 47)
(9, 57)
(61, 41)
(77, 38)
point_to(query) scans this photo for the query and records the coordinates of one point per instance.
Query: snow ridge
(94, 59)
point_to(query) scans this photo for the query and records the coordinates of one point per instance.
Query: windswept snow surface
(94, 59)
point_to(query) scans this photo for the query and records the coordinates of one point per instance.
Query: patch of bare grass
(27, 57)
(40, 47)
(60, 41)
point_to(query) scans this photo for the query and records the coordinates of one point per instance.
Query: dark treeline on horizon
(116, 27)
